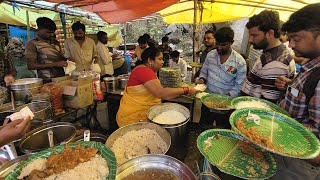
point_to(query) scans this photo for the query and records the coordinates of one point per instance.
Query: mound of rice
(94, 169)
(135, 143)
(252, 104)
(38, 164)
(169, 117)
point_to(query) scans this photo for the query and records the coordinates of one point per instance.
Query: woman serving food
(144, 89)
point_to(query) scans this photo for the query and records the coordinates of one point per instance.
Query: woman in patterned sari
(144, 89)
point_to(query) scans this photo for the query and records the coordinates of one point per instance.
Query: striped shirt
(225, 78)
(272, 63)
(305, 112)
(45, 52)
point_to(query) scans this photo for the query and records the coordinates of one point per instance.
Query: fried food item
(37, 175)
(69, 159)
(258, 156)
(216, 105)
(253, 135)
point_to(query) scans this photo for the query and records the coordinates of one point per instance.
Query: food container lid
(37, 139)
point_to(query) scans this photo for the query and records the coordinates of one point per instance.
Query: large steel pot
(111, 83)
(42, 110)
(157, 163)
(23, 89)
(37, 139)
(177, 131)
(6, 110)
(123, 81)
(41, 97)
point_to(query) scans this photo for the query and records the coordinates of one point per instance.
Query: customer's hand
(282, 82)
(200, 81)
(61, 64)
(192, 91)
(14, 130)
(8, 79)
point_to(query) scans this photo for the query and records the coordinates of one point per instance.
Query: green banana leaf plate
(276, 132)
(195, 64)
(272, 106)
(104, 151)
(217, 101)
(225, 153)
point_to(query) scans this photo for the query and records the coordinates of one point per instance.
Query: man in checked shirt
(303, 28)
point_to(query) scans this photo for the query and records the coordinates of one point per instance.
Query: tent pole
(194, 31)
(125, 37)
(28, 26)
(7, 30)
(63, 22)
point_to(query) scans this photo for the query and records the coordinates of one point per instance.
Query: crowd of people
(273, 75)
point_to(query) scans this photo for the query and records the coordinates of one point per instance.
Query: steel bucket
(23, 89)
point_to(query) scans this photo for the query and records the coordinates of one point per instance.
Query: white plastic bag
(96, 68)
(70, 67)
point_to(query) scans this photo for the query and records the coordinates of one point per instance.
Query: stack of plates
(170, 77)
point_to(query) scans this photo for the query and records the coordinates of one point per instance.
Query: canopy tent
(19, 17)
(119, 11)
(213, 11)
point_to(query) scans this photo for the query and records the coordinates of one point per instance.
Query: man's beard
(261, 45)
(79, 38)
(222, 52)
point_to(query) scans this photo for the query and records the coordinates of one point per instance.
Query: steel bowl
(42, 110)
(155, 162)
(37, 139)
(138, 126)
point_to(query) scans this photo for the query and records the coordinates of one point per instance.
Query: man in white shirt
(177, 62)
(105, 60)
(81, 49)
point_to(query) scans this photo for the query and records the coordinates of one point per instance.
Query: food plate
(226, 153)
(195, 64)
(217, 101)
(272, 106)
(104, 151)
(277, 133)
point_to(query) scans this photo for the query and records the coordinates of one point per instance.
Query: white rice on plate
(94, 169)
(169, 117)
(38, 164)
(138, 142)
(252, 104)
